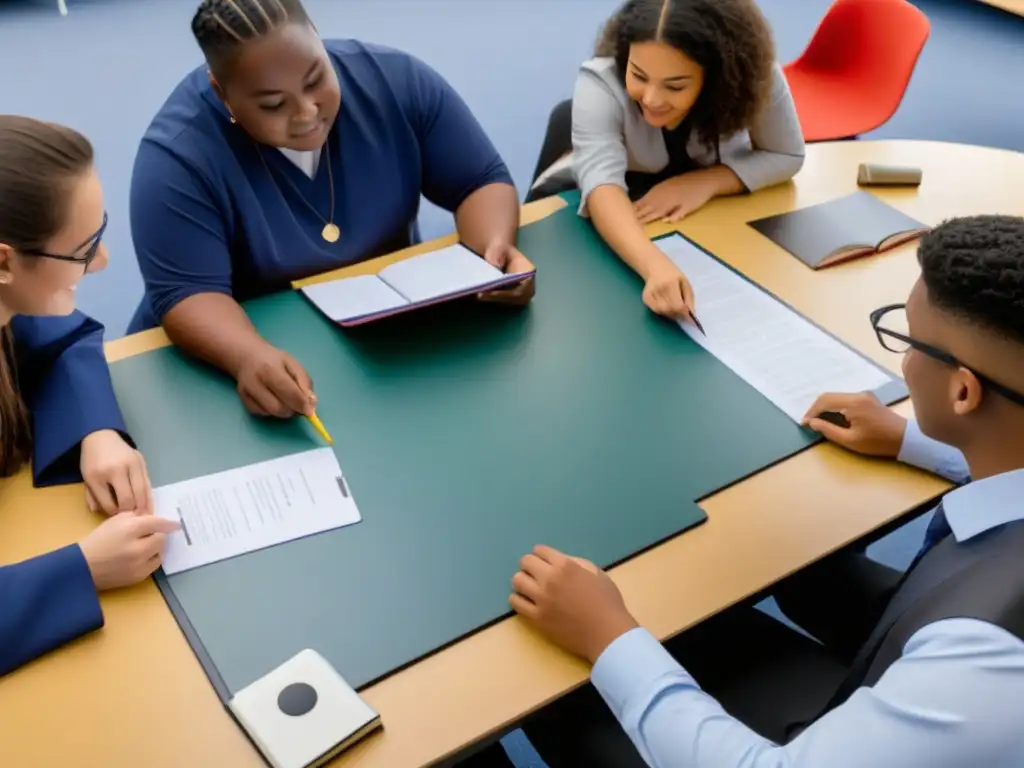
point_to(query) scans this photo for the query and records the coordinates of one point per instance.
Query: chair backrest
(867, 39)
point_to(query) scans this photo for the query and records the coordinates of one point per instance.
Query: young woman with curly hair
(682, 102)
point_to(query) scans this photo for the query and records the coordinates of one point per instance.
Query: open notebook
(431, 278)
(848, 227)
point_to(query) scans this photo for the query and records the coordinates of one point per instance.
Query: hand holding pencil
(319, 427)
(273, 383)
(669, 293)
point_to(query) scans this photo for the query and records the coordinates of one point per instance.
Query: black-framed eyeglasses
(890, 324)
(91, 244)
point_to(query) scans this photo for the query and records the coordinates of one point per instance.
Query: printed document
(783, 355)
(242, 510)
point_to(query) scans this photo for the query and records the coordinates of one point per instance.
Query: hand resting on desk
(571, 601)
(873, 430)
(676, 198)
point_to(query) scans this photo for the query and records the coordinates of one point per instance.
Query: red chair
(856, 68)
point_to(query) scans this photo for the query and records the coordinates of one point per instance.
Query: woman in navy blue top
(289, 156)
(57, 402)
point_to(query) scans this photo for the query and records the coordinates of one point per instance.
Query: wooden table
(133, 695)
(1010, 6)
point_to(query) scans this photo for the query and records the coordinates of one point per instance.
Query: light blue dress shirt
(954, 698)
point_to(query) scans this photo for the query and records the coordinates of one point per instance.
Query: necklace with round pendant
(330, 232)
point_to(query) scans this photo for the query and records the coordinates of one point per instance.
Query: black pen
(697, 323)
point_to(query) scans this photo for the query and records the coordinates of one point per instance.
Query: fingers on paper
(830, 401)
(150, 525)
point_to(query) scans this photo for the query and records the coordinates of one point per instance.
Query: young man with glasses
(920, 669)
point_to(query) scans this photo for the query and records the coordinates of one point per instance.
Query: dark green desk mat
(468, 433)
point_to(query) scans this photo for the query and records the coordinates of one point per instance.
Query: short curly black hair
(973, 268)
(730, 40)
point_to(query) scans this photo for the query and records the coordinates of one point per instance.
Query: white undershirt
(307, 162)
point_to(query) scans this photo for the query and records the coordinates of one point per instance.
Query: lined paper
(785, 357)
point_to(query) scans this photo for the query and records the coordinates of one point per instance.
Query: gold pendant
(330, 232)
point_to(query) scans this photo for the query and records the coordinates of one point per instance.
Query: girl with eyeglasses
(57, 404)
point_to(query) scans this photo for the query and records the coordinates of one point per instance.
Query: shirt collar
(982, 505)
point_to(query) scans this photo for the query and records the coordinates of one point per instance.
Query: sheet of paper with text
(784, 356)
(229, 513)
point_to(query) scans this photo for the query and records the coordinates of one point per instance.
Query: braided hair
(973, 267)
(221, 27)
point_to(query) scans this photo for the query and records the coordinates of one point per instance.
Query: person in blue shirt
(57, 405)
(288, 156)
(743, 691)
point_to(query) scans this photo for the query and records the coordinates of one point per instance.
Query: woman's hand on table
(674, 198)
(272, 383)
(115, 475)
(509, 260)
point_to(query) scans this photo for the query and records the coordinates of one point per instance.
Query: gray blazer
(610, 137)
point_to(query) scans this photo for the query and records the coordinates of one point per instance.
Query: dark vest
(982, 578)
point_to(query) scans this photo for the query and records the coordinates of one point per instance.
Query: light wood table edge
(1015, 7)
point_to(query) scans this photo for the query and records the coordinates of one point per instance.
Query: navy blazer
(63, 377)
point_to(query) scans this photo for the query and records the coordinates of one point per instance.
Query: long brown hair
(39, 162)
(729, 39)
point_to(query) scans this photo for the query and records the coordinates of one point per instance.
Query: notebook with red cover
(419, 281)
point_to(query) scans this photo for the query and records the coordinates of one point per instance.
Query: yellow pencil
(319, 427)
